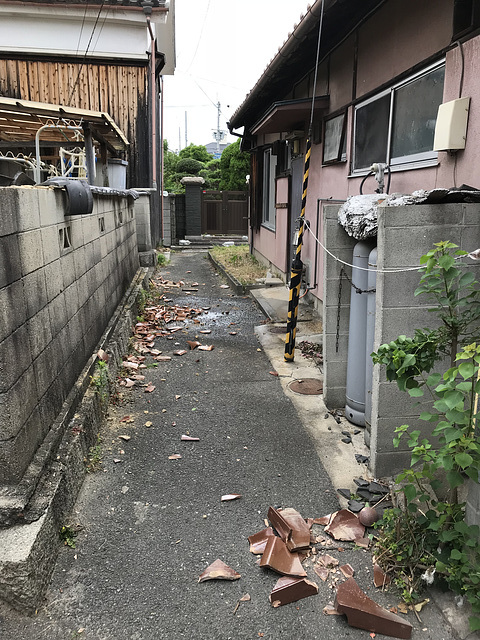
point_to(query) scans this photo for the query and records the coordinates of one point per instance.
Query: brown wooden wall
(120, 91)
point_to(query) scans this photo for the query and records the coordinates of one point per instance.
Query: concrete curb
(28, 551)
(238, 288)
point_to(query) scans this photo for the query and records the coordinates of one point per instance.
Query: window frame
(340, 143)
(415, 160)
(269, 189)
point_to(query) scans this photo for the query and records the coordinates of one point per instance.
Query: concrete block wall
(169, 224)
(146, 247)
(404, 235)
(336, 311)
(61, 278)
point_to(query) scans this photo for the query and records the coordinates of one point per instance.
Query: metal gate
(225, 212)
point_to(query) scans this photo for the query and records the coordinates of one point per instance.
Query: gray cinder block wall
(61, 279)
(143, 206)
(404, 235)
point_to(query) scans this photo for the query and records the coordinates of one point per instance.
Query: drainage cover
(307, 386)
(278, 329)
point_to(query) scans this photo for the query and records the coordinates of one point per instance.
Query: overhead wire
(85, 54)
(348, 264)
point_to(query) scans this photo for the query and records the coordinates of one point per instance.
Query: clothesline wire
(308, 228)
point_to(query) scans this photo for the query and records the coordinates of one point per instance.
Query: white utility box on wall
(451, 126)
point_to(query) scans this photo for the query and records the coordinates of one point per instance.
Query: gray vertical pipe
(357, 335)
(371, 301)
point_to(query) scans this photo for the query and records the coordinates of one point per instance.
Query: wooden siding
(120, 91)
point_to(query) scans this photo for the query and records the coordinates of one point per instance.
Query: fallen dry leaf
(125, 437)
(205, 347)
(273, 373)
(205, 331)
(148, 424)
(128, 383)
(230, 496)
(224, 286)
(102, 355)
(189, 438)
(180, 352)
(150, 388)
(163, 358)
(127, 419)
(218, 570)
(174, 456)
(193, 344)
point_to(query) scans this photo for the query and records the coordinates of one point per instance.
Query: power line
(85, 55)
(200, 35)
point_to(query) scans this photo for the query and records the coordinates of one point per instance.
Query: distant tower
(218, 134)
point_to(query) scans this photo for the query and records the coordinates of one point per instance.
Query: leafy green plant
(161, 259)
(68, 534)
(430, 535)
(100, 380)
(94, 458)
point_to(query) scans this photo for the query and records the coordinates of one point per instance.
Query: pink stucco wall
(272, 244)
(399, 37)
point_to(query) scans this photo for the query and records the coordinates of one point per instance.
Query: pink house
(384, 68)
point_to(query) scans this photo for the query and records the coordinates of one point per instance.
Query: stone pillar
(193, 205)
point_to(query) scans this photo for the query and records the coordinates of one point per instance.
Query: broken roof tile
(291, 527)
(258, 540)
(289, 589)
(364, 613)
(218, 570)
(345, 526)
(380, 578)
(278, 558)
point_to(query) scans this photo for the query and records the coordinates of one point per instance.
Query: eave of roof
(296, 57)
(288, 115)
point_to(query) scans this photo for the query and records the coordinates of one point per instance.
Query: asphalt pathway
(150, 525)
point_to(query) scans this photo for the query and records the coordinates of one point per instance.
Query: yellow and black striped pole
(297, 267)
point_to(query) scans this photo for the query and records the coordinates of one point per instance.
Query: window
(268, 207)
(397, 127)
(334, 146)
(466, 17)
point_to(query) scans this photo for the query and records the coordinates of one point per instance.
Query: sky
(223, 47)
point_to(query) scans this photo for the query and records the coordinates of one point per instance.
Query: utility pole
(218, 134)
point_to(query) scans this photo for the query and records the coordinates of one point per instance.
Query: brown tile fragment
(278, 558)
(380, 578)
(291, 527)
(327, 560)
(347, 570)
(364, 613)
(258, 540)
(289, 589)
(322, 572)
(345, 525)
(362, 542)
(324, 520)
(218, 570)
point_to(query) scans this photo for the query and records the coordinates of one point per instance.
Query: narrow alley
(149, 525)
